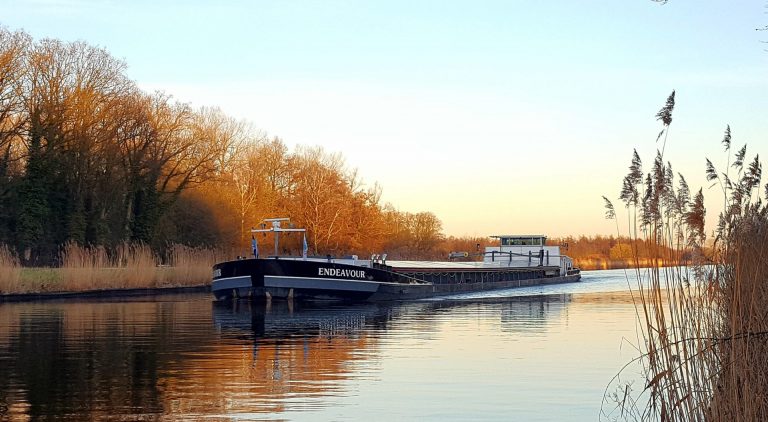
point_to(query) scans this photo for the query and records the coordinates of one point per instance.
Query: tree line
(88, 157)
(610, 252)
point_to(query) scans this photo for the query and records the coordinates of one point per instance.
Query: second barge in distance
(518, 261)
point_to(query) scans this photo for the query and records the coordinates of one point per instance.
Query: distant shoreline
(593, 264)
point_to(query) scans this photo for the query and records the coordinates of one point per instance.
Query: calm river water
(540, 353)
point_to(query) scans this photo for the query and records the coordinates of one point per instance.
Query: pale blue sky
(507, 116)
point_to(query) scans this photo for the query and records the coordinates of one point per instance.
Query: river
(538, 353)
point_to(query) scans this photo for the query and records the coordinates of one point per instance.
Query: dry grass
(704, 334)
(134, 266)
(702, 329)
(10, 270)
(191, 266)
(84, 268)
(96, 268)
(740, 390)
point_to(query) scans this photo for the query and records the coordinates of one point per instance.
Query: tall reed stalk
(133, 266)
(10, 271)
(83, 268)
(741, 386)
(701, 327)
(191, 266)
(136, 266)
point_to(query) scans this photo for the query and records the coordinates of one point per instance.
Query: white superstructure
(527, 251)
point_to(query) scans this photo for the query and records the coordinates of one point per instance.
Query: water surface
(537, 353)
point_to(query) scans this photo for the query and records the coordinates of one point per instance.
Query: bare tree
(14, 47)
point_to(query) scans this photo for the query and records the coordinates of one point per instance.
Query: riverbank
(103, 294)
(46, 281)
(95, 269)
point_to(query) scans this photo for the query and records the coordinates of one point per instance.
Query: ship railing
(397, 275)
(379, 262)
(542, 256)
(411, 280)
(517, 254)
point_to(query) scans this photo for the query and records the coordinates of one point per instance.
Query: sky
(500, 117)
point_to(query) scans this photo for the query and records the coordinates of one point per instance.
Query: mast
(276, 228)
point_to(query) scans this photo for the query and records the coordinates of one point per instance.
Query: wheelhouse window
(523, 241)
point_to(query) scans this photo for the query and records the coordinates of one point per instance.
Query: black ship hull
(326, 280)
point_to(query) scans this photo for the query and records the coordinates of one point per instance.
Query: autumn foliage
(88, 158)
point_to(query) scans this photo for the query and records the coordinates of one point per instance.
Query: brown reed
(702, 327)
(10, 270)
(133, 266)
(740, 389)
(191, 266)
(137, 267)
(83, 268)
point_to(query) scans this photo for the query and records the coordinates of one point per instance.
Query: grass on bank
(95, 268)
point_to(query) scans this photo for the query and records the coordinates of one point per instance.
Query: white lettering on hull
(341, 272)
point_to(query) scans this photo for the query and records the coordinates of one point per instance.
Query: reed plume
(703, 324)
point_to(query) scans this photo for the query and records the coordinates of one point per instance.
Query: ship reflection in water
(541, 357)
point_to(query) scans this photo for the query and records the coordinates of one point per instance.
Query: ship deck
(446, 266)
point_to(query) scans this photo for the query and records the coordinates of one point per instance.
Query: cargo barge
(518, 261)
